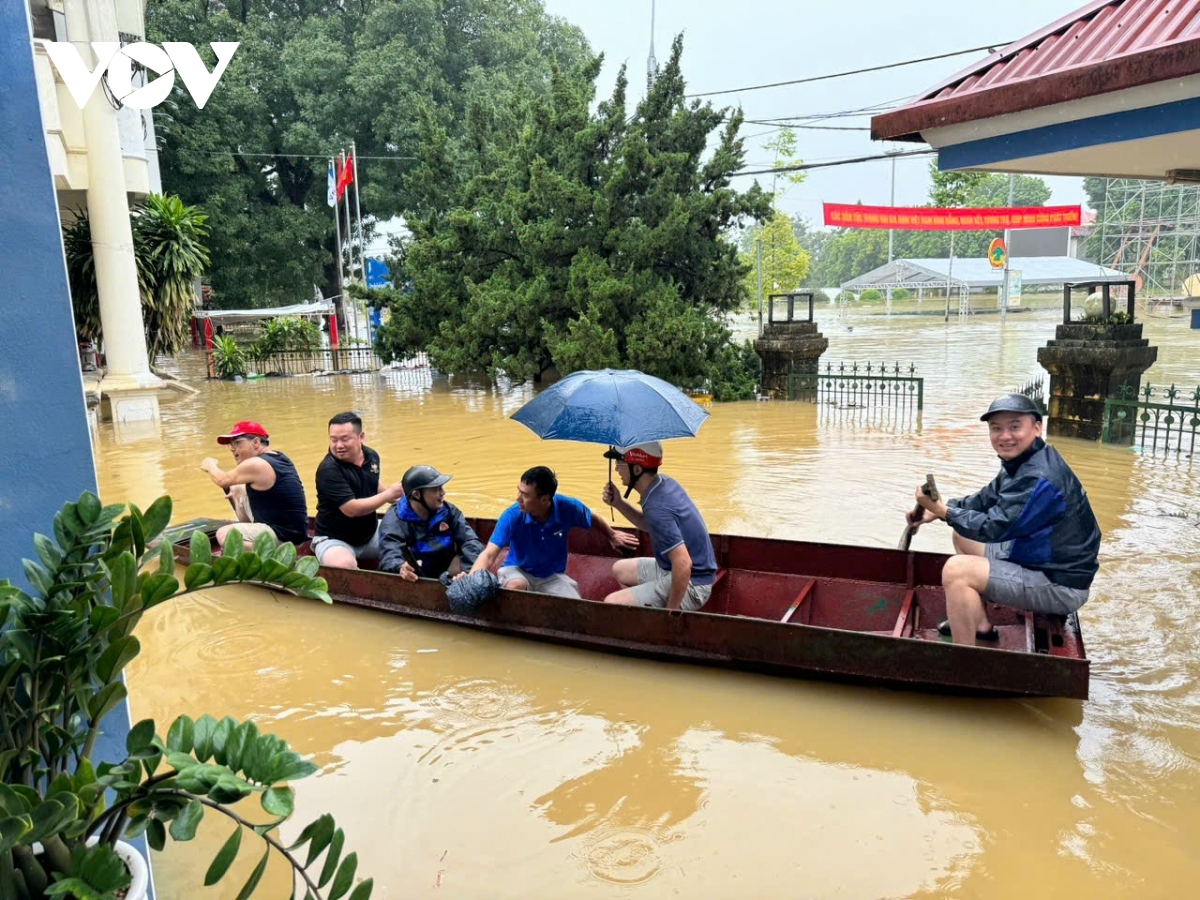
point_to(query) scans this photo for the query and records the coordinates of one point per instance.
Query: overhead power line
(801, 167)
(991, 48)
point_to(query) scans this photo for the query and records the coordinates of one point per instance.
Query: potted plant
(63, 647)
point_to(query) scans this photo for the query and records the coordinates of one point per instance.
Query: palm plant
(229, 359)
(285, 334)
(168, 243)
(63, 647)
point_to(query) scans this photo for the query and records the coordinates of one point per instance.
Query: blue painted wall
(47, 457)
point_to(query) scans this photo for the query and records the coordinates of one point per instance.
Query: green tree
(785, 263)
(581, 239)
(309, 76)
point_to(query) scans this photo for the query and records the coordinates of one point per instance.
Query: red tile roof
(1108, 45)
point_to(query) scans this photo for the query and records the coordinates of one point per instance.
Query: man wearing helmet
(681, 573)
(1028, 540)
(423, 536)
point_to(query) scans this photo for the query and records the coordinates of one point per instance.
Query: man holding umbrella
(681, 573)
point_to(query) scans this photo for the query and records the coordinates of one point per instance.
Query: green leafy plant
(63, 648)
(1117, 318)
(870, 295)
(900, 294)
(170, 251)
(229, 359)
(285, 334)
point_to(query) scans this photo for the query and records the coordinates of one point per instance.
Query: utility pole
(758, 254)
(891, 233)
(1007, 254)
(651, 62)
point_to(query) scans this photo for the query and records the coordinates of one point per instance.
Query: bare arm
(618, 540)
(613, 498)
(681, 574)
(367, 506)
(255, 472)
(486, 558)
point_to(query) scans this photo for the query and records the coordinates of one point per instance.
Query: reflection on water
(462, 764)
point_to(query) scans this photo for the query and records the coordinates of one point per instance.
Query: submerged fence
(856, 385)
(1158, 419)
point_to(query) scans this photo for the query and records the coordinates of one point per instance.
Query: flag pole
(358, 215)
(337, 220)
(341, 300)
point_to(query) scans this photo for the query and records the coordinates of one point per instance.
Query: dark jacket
(1037, 503)
(433, 544)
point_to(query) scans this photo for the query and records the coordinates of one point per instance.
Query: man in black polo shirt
(348, 497)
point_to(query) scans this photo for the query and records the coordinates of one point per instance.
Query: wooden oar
(930, 490)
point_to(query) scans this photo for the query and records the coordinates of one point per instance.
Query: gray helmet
(1014, 403)
(420, 477)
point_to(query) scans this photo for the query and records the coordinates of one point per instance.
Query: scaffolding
(1152, 230)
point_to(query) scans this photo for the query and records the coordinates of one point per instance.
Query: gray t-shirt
(672, 519)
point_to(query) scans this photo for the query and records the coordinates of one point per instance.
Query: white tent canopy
(319, 308)
(976, 273)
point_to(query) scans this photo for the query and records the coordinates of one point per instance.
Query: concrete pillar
(129, 385)
(1087, 365)
(788, 348)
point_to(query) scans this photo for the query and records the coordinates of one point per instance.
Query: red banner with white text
(924, 218)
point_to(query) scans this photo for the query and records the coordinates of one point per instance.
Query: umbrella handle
(611, 514)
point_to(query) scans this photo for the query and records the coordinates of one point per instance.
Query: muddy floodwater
(463, 765)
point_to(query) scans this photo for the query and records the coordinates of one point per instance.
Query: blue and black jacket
(1037, 503)
(433, 543)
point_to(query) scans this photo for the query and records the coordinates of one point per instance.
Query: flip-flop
(990, 635)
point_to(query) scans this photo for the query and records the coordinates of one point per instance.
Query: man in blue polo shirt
(681, 573)
(534, 529)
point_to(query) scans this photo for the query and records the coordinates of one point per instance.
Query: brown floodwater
(465, 765)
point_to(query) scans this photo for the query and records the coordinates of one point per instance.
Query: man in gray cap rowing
(1028, 540)
(681, 573)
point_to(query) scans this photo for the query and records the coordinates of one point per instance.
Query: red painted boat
(794, 608)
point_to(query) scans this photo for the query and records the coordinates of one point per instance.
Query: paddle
(929, 488)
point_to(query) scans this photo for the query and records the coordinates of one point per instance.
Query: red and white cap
(648, 455)
(243, 429)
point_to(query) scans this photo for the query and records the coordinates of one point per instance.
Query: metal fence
(320, 361)
(1035, 390)
(1157, 419)
(853, 385)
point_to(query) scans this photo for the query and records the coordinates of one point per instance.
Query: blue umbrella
(618, 407)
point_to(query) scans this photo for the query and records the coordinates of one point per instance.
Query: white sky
(748, 42)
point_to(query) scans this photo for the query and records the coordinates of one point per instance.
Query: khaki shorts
(559, 584)
(1013, 585)
(654, 587)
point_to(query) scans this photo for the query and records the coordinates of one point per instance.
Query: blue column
(48, 454)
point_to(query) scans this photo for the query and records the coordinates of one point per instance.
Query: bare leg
(516, 584)
(966, 546)
(625, 571)
(965, 577)
(339, 558)
(622, 597)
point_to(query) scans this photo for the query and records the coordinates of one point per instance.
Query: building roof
(1107, 46)
(974, 272)
(318, 308)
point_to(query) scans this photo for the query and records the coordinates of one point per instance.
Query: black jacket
(433, 543)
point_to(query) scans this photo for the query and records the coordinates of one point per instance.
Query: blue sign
(378, 275)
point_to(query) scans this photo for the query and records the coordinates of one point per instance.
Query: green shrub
(900, 294)
(870, 296)
(229, 359)
(288, 333)
(844, 297)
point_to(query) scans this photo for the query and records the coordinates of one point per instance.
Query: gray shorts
(654, 587)
(1012, 585)
(368, 552)
(559, 584)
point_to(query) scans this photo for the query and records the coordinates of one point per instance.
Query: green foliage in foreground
(63, 647)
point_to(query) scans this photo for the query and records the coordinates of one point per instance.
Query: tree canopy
(309, 76)
(581, 239)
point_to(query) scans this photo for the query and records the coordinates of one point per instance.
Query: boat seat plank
(800, 598)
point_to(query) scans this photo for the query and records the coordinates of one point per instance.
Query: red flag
(345, 177)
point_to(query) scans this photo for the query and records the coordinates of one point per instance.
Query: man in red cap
(680, 575)
(263, 486)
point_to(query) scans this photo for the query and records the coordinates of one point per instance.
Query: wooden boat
(793, 608)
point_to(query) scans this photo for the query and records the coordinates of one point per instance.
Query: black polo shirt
(339, 482)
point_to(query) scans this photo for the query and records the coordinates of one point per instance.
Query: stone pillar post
(788, 348)
(1087, 365)
(129, 385)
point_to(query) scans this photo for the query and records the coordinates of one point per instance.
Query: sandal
(990, 635)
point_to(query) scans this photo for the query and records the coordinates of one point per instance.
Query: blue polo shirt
(540, 549)
(672, 519)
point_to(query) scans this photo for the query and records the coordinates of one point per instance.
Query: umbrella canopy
(620, 407)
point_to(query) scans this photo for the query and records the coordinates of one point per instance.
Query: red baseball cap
(648, 455)
(243, 429)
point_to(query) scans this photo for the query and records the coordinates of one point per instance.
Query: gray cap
(1013, 403)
